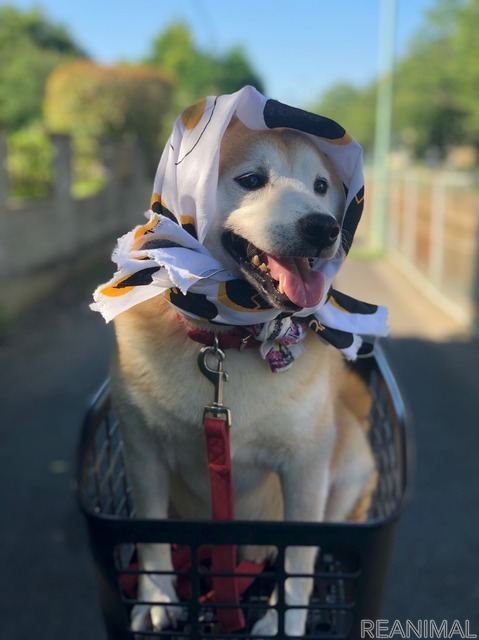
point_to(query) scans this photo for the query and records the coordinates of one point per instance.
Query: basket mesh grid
(329, 608)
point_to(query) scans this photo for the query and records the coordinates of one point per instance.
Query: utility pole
(384, 107)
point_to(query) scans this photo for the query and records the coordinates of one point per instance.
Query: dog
(299, 443)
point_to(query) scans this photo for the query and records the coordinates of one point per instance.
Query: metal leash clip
(217, 376)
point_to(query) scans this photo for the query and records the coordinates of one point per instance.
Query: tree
(235, 71)
(435, 86)
(173, 49)
(465, 67)
(29, 162)
(198, 73)
(30, 48)
(353, 108)
(90, 101)
(426, 105)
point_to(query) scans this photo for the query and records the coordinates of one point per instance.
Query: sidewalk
(436, 560)
(411, 313)
(54, 359)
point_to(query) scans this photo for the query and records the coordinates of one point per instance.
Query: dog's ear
(235, 139)
(233, 122)
(237, 128)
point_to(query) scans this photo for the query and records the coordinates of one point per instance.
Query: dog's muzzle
(287, 282)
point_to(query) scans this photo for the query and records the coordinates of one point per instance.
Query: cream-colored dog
(298, 441)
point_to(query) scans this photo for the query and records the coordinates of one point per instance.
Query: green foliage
(30, 48)
(427, 112)
(89, 175)
(29, 165)
(198, 73)
(90, 101)
(435, 86)
(173, 48)
(235, 71)
(45, 77)
(465, 67)
(353, 108)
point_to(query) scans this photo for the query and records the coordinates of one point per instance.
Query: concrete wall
(43, 241)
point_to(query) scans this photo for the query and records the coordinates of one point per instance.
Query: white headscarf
(166, 256)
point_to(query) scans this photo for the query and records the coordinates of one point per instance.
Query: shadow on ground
(435, 568)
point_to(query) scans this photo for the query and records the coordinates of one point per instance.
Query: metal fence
(432, 227)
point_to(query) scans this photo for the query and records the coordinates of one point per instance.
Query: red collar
(237, 338)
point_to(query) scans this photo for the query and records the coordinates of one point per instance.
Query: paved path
(435, 572)
(50, 364)
(53, 360)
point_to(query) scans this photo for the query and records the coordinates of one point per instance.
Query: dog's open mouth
(288, 282)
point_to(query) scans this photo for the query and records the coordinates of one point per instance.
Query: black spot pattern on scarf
(351, 219)
(160, 209)
(277, 114)
(143, 277)
(335, 337)
(189, 228)
(366, 350)
(241, 294)
(352, 305)
(195, 303)
(159, 244)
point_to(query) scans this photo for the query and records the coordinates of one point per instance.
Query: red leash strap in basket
(219, 465)
(216, 423)
(223, 558)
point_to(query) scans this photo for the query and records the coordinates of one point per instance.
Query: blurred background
(88, 95)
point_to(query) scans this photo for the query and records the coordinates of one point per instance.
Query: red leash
(223, 558)
(216, 423)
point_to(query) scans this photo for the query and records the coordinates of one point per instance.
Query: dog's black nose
(319, 229)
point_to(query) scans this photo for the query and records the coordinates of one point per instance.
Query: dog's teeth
(280, 284)
(263, 267)
(256, 261)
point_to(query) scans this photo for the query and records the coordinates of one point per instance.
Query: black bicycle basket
(352, 565)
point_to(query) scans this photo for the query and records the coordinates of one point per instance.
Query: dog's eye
(252, 181)
(321, 186)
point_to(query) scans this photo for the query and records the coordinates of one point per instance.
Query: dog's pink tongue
(303, 286)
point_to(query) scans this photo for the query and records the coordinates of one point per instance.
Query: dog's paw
(267, 625)
(294, 623)
(146, 617)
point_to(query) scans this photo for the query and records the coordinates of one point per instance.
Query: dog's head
(280, 206)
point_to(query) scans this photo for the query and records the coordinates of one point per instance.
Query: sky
(300, 48)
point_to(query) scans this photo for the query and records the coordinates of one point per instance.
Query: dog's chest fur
(276, 417)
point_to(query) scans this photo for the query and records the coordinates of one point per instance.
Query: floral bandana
(166, 256)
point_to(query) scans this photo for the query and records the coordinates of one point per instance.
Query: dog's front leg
(305, 489)
(149, 479)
